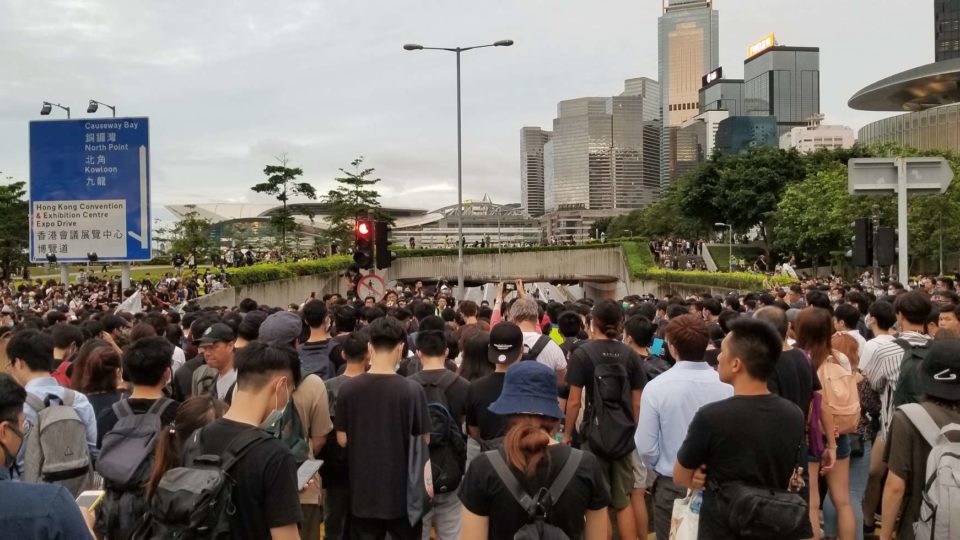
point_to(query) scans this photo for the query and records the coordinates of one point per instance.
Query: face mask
(10, 458)
(273, 422)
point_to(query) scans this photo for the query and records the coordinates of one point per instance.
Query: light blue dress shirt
(667, 408)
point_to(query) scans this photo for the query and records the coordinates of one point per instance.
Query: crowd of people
(803, 412)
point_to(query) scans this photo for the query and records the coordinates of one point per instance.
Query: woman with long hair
(192, 415)
(534, 459)
(96, 373)
(475, 363)
(815, 331)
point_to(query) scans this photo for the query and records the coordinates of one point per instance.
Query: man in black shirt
(268, 505)
(506, 348)
(432, 350)
(376, 415)
(793, 377)
(753, 437)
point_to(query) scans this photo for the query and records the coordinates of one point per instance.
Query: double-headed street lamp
(94, 105)
(730, 244)
(47, 107)
(460, 240)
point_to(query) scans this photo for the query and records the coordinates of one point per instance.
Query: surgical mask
(10, 458)
(272, 424)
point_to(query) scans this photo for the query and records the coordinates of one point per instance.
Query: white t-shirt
(179, 358)
(552, 355)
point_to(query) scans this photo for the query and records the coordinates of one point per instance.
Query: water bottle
(696, 502)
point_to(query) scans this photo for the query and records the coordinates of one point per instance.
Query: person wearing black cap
(218, 376)
(530, 460)
(484, 426)
(908, 443)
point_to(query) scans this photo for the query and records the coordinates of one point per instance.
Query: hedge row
(270, 271)
(641, 265)
(639, 261)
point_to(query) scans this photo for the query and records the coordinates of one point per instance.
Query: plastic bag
(685, 521)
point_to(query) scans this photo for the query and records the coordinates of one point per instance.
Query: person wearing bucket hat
(533, 461)
(907, 446)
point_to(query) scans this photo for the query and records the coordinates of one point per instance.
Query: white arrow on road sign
(144, 203)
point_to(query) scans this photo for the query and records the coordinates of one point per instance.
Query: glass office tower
(532, 141)
(946, 17)
(604, 152)
(688, 50)
(783, 82)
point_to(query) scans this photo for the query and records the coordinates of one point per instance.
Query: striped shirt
(882, 369)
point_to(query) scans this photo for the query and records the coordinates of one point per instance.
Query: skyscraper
(688, 50)
(532, 141)
(946, 18)
(604, 151)
(783, 82)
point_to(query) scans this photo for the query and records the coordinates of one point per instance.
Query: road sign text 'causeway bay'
(90, 189)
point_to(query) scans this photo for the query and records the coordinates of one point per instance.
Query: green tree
(282, 184)
(353, 198)
(191, 235)
(14, 227)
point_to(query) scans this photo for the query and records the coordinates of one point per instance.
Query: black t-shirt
(266, 496)
(580, 366)
(379, 413)
(456, 394)
(749, 439)
(404, 368)
(336, 352)
(483, 493)
(107, 419)
(480, 394)
(794, 379)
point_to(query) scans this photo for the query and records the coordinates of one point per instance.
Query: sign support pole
(903, 268)
(65, 274)
(125, 275)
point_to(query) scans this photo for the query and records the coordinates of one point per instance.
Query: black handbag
(761, 512)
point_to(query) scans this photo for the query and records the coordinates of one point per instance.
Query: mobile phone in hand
(90, 499)
(307, 471)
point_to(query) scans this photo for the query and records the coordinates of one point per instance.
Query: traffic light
(885, 246)
(862, 253)
(363, 250)
(385, 257)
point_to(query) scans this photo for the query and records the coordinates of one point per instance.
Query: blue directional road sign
(90, 189)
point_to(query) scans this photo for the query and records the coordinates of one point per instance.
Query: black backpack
(608, 420)
(533, 352)
(539, 508)
(448, 445)
(909, 387)
(654, 365)
(125, 461)
(195, 501)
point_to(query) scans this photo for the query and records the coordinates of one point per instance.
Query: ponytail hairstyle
(192, 415)
(608, 319)
(526, 442)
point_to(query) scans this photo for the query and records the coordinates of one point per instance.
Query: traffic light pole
(876, 237)
(461, 293)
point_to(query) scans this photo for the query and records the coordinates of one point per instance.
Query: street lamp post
(47, 107)
(458, 50)
(729, 245)
(94, 104)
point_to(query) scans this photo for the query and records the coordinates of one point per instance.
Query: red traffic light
(363, 228)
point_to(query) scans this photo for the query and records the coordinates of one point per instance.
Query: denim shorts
(843, 449)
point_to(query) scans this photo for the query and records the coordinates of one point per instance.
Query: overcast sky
(228, 84)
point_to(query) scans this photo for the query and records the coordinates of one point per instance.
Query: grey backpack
(125, 462)
(940, 508)
(57, 451)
